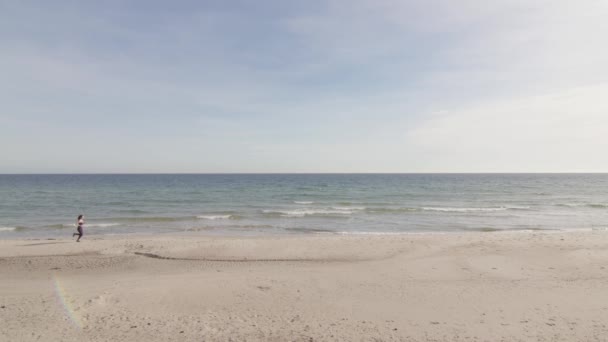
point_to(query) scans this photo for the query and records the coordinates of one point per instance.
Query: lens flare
(64, 300)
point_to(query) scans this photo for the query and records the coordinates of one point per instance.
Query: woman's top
(80, 222)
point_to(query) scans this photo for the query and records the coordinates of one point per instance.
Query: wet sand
(518, 286)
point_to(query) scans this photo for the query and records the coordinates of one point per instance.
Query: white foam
(308, 212)
(101, 225)
(214, 217)
(7, 229)
(96, 225)
(303, 202)
(464, 210)
(349, 208)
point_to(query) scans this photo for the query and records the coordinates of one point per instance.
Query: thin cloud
(353, 86)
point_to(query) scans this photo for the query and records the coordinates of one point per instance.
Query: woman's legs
(79, 234)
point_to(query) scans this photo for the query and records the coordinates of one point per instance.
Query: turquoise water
(47, 205)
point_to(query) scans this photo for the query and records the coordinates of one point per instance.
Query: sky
(303, 86)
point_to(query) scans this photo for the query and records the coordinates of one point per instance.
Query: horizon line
(294, 173)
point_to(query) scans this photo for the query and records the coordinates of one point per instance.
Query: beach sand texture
(517, 286)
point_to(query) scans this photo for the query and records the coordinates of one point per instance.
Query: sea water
(47, 205)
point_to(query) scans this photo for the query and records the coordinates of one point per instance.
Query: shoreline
(408, 287)
(219, 233)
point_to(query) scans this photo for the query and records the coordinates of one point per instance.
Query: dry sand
(429, 287)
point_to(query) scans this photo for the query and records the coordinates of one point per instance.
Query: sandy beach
(518, 286)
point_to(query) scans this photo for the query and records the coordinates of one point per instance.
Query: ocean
(41, 206)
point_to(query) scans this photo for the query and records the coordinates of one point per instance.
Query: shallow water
(47, 205)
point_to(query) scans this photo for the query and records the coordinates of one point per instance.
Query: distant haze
(303, 86)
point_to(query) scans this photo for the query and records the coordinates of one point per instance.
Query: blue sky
(303, 86)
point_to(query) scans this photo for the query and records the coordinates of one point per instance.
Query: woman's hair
(80, 216)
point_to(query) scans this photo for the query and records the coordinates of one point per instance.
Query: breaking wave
(308, 212)
(216, 217)
(86, 225)
(466, 210)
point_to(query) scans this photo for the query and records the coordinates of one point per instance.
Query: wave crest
(216, 217)
(308, 212)
(480, 209)
(349, 208)
(102, 225)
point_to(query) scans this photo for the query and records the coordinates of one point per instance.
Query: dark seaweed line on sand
(156, 256)
(83, 254)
